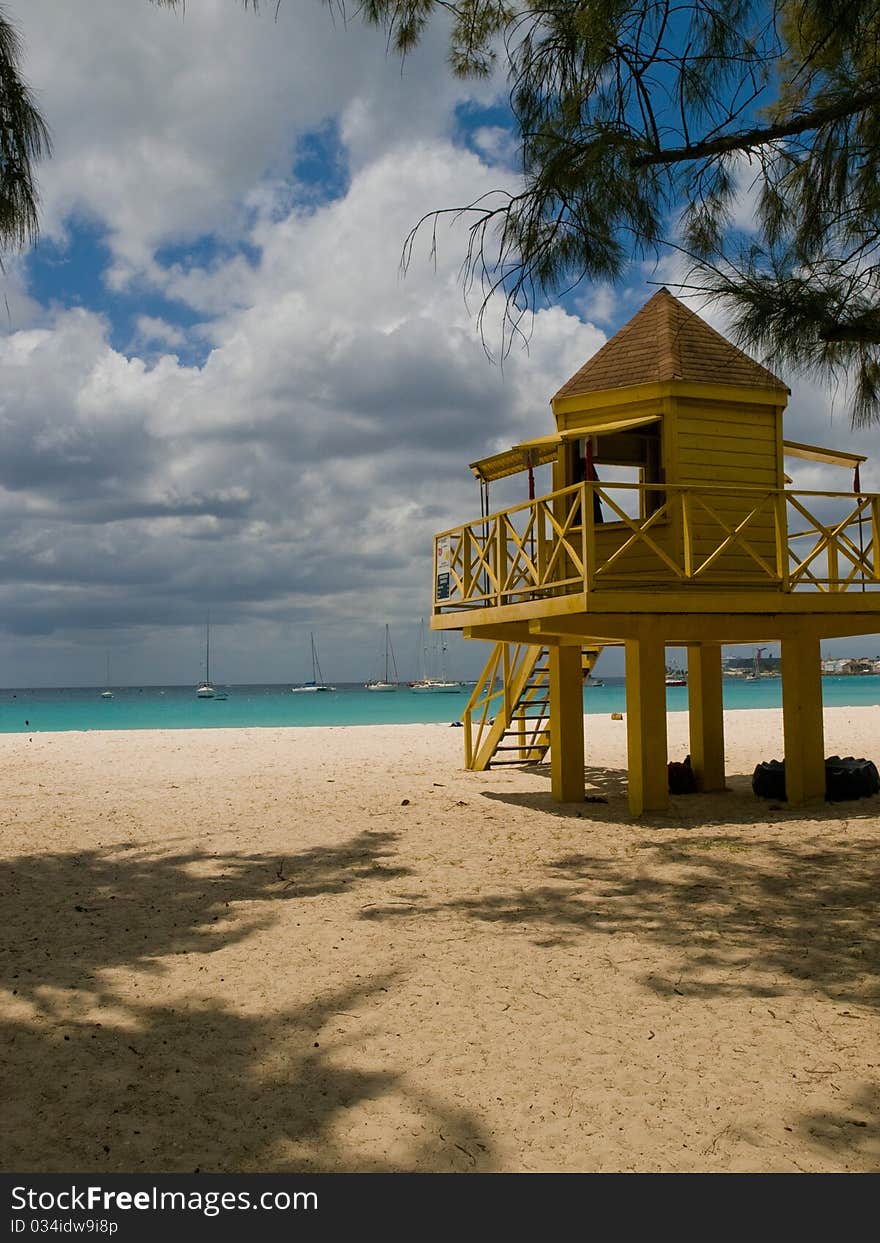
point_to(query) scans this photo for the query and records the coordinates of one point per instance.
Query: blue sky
(68, 273)
(218, 391)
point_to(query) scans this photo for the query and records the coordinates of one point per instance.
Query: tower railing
(592, 537)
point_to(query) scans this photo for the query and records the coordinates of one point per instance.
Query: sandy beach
(333, 949)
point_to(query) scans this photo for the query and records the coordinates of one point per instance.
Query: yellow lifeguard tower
(669, 523)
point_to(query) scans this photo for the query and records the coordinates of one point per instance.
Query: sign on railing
(443, 564)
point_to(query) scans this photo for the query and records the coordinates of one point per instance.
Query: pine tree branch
(866, 332)
(747, 139)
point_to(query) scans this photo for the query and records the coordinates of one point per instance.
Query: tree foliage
(24, 138)
(645, 126)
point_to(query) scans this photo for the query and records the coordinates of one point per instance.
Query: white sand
(332, 949)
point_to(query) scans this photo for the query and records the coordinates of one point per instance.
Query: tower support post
(802, 724)
(706, 715)
(566, 725)
(646, 725)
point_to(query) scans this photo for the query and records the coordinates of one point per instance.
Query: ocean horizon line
(271, 704)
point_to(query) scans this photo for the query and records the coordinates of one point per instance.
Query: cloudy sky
(217, 392)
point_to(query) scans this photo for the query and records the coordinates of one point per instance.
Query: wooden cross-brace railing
(555, 546)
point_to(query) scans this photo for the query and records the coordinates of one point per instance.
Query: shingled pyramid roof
(665, 340)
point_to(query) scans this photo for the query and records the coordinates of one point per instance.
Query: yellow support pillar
(646, 725)
(706, 715)
(566, 725)
(802, 723)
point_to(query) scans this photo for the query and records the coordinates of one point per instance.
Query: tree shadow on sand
(794, 917)
(854, 1127)
(206, 1088)
(125, 906)
(739, 918)
(97, 1077)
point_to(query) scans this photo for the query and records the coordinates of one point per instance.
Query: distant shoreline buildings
(756, 666)
(852, 666)
(760, 666)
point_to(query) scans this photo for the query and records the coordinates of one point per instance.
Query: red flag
(529, 459)
(589, 469)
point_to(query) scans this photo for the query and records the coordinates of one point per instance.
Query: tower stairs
(507, 718)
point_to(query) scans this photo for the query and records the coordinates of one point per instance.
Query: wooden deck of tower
(703, 545)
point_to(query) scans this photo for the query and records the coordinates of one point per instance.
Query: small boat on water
(317, 683)
(676, 677)
(107, 694)
(207, 689)
(379, 684)
(442, 684)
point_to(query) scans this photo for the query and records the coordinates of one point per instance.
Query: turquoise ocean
(176, 707)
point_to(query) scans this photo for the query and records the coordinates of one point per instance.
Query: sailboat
(441, 685)
(377, 684)
(107, 694)
(317, 683)
(207, 690)
(676, 677)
